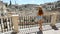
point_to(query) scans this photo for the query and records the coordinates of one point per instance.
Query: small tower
(10, 3)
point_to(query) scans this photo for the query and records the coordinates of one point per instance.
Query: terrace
(28, 24)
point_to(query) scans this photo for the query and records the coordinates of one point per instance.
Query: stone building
(2, 8)
(54, 6)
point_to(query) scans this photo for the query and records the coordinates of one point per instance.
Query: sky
(28, 1)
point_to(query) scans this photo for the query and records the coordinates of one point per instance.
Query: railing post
(53, 19)
(15, 23)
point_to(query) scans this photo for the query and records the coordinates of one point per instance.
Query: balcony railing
(6, 23)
